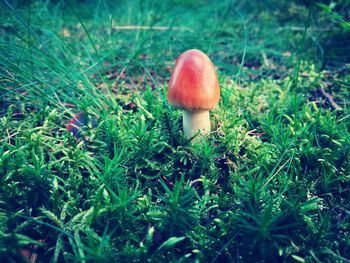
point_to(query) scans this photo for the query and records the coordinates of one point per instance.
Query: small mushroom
(77, 124)
(194, 87)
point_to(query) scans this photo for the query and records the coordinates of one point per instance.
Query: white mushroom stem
(195, 120)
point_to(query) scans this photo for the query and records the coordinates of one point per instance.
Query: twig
(160, 28)
(138, 104)
(223, 248)
(295, 28)
(279, 169)
(330, 99)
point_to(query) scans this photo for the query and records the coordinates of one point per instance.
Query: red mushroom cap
(194, 84)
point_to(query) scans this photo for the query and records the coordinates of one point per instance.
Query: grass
(270, 183)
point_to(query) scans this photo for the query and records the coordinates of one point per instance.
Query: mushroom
(194, 87)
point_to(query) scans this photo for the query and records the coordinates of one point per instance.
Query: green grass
(271, 183)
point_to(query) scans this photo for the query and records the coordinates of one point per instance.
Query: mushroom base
(195, 120)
